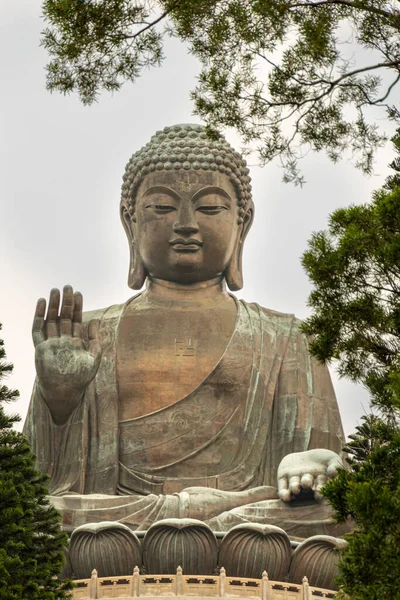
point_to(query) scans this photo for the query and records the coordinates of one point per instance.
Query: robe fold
(266, 397)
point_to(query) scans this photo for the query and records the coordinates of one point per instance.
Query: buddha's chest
(162, 355)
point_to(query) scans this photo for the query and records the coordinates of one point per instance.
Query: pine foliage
(355, 269)
(31, 540)
(369, 493)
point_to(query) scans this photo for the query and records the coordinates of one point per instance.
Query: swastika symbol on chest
(185, 347)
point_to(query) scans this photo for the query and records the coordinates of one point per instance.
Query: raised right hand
(65, 362)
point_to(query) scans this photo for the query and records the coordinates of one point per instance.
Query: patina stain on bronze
(184, 402)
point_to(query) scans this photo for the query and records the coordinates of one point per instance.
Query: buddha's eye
(212, 209)
(161, 208)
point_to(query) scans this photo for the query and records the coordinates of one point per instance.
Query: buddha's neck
(196, 296)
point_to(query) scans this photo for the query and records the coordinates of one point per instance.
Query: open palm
(66, 360)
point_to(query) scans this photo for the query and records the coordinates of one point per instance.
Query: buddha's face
(185, 225)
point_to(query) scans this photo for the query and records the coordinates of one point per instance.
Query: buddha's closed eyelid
(162, 208)
(162, 201)
(212, 203)
(211, 208)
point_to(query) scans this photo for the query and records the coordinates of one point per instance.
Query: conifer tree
(31, 539)
(369, 494)
(355, 269)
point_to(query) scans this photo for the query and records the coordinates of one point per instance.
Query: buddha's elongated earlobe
(137, 273)
(234, 273)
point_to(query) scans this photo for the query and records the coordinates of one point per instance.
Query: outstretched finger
(52, 313)
(283, 491)
(94, 337)
(66, 312)
(38, 322)
(77, 315)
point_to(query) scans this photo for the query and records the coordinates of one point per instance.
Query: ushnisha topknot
(184, 147)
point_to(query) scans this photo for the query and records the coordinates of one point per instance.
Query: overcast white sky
(61, 168)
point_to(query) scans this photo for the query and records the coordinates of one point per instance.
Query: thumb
(94, 337)
(334, 465)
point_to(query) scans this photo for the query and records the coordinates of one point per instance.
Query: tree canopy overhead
(285, 74)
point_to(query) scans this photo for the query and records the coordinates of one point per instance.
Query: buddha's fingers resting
(294, 484)
(307, 481)
(320, 482)
(283, 489)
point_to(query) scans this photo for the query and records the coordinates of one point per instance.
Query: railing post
(222, 582)
(136, 583)
(93, 585)
(306, 589)
(179, 582)
(265, 587)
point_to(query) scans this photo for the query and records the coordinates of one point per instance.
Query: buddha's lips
(190, 245)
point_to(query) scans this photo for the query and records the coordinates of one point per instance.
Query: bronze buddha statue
(183, 401)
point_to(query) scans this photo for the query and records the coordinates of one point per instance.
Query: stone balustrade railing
(222, 586)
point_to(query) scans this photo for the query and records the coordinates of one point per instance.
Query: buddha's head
(186, 208)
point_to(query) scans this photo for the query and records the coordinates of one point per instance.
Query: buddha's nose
(186, 219)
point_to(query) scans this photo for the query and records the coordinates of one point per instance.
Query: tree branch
(391, 86)
(332, 83)
(349, 4)
(148, 26)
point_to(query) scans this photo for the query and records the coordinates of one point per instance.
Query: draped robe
(266, 397)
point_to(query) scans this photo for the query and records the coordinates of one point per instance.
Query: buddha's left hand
(309, 470)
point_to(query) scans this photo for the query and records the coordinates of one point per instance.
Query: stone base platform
(195, 587)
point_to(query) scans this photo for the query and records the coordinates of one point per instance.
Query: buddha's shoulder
(279, 319)
(104, 314)
(108, 313)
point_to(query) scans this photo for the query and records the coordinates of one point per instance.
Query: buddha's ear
(233, 273)
(137, 273)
